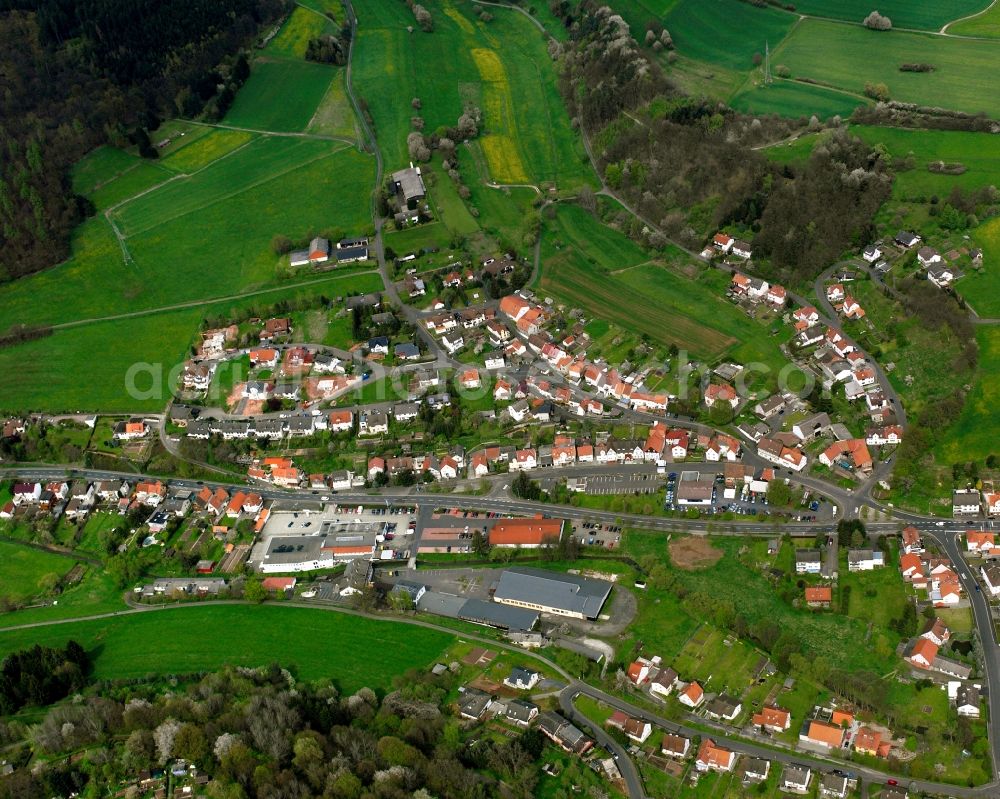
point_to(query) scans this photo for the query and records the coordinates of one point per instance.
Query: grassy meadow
(502, 67)
(848, 56)
(22, 570)
(981, 289)
(974, 436)
(986, 24)
(792, 99)
(334, 116)
(921, 14)
(201, 151)
(726, 33)
(280, 95)
(319, 644)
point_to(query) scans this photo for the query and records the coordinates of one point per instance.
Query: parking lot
(623, 484)
(597, 534)
(745, 502)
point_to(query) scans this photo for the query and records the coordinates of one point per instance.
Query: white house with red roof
(723, 242)
(991, 502)
(721, 392)
(777, 296)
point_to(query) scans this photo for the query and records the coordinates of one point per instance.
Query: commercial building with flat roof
(294, 541)
(552, 592)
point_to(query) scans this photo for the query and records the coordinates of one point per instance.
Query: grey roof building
(552, 592)
(409, 184)
(491, 614)
(520, 711)
(474, 703)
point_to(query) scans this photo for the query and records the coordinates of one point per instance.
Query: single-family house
(773, 718)
(823, 734)
(714, 758)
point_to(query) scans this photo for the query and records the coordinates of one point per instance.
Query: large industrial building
(552, 592)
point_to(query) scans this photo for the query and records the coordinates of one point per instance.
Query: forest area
(262, 733)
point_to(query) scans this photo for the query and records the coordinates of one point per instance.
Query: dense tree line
(78, 74)
(41, 675)
(260, 733)
(691, 168)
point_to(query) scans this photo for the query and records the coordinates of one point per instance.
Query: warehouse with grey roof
(552, 592)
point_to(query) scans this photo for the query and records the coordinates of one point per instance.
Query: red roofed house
(723, 242)
(922, 653)
(911, 566)
(470, 379)
(526, 533)
(714, 758)
(721, 392)
(980, 541)
(263, 357)
(514, 307)
(639, 670)
(278, 583)
(479, 465)
(842, 718)
(936, 631)
(912, 543)
(869, 742)
(830, 736)
(777, 295)
(341, 421)
(854, 450)
(773, 718)
(692, 695)
(819, 596)
(992, 502)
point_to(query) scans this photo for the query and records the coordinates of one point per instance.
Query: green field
(501, 66)
(280, 95)
(109, 175)
(203, 150)
(335, 117)
(64, 372)
(726, 33)
(920, 14)
(792, 99)
(982, 288)
(23, 568)
(320, 644)
(974, 436)
(986, 24)
(848, 56)
(595, 268)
